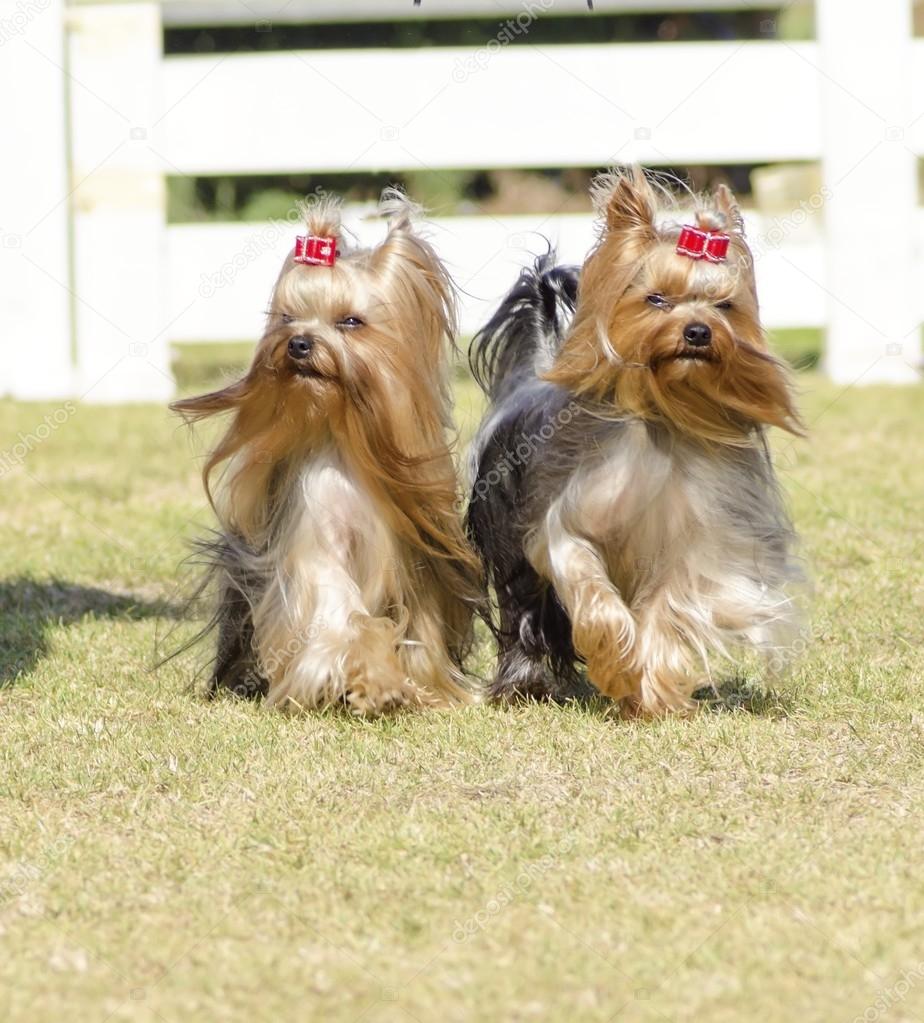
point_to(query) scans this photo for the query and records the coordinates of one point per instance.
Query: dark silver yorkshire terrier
(624, 501)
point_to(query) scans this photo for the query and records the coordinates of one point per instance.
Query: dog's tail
(521, 338)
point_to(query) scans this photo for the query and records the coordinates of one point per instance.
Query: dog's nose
(697, 334)
(300, 347)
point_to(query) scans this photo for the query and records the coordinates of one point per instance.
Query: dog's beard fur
(343, 565)
(645, 533)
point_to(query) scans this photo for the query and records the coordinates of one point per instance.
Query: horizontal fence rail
(516, 106)
(220, 275)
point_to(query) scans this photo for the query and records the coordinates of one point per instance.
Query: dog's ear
(626, 202)
(727, 205)
(215, 402)
(409, 266)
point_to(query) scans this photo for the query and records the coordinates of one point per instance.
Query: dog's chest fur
(335, 526)
(668, 512)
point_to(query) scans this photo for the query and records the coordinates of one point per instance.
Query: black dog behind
(535, 654)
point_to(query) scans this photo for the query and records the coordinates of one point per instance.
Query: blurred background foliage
(472, 191)
(761, 21)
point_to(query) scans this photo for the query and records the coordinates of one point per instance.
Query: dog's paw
(522, 677)
(658, 694)
(613, 678)
(604, 634)
(366, 700)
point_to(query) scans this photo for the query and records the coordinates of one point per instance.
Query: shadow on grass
(737, 695)
(734, 696)
(28, 609)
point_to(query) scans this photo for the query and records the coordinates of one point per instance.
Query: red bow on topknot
(315, 250)
(698, 244)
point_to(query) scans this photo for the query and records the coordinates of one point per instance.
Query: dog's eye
(350, 323)
(286, 318)
(659, 301)
(723, 305)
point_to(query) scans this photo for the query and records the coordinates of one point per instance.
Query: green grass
(203, 364)
(800, 346)
(162, 859)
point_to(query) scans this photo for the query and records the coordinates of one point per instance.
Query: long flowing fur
(335, 486)
(624, 501)
(621, 351)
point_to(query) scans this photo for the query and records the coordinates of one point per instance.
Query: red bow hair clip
(315, 250)
(698, 244)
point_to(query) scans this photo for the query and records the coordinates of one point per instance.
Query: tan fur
(623, 351)
(342, 480)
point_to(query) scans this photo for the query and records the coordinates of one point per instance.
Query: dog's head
(664, 330)
(356, 351)
(372, 324)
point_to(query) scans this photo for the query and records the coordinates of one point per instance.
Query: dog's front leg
(668, 628)
(320, 645)
(603, 627)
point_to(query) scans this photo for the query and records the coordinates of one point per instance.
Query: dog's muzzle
(697, 343)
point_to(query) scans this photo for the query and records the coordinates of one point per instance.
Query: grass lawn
(162, 859)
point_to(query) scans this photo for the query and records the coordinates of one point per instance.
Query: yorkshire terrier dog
(343, 572)
(624, 500)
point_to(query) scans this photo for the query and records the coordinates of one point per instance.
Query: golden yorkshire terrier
(624, 500)
(343, 572)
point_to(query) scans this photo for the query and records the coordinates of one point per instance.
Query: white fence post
(873, 329)
(35, 335)
(116, 63)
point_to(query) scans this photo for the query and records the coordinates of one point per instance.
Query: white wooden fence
(95, 286)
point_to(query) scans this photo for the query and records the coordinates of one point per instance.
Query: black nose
(697, 334)
(300, 347)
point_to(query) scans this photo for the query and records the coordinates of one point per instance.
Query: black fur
(535, 653)
(221, 561)
(235, 666)
(228, 584)
(521, 338)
